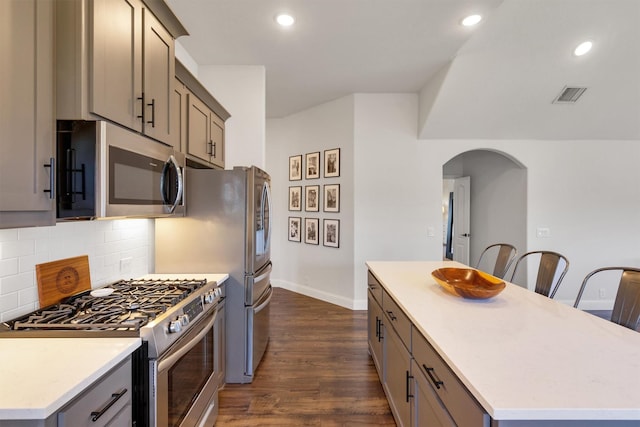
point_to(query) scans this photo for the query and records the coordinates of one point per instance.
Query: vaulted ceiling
(495, 81)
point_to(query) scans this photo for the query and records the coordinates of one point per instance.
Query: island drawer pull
(391, 316)
(409, 395)
(435, 382)
(114, 398)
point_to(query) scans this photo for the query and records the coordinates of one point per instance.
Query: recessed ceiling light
(471, 20)
(583, 48)
(285, 20)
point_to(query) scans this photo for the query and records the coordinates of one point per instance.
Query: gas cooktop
(125, 305)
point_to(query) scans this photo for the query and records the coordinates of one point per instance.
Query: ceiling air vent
(569, 95)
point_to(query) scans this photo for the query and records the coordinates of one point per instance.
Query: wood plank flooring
(316, 371)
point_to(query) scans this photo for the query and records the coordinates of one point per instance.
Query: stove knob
(184, 319)
(175, 326)
(208, 298)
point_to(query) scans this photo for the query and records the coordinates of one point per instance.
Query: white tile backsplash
(106, 242)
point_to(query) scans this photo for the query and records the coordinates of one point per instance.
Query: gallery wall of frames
(312, 197)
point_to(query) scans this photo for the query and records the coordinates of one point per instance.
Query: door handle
(465, 235)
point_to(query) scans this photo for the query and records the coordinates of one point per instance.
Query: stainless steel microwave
(105, 171)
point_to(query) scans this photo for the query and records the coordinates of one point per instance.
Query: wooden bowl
(468, 283)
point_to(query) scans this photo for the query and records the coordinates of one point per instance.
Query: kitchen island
(38, 376)
(526, 359)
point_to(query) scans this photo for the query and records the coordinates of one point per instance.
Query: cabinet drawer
(460, 404)
(375, 287)
(396, 317)
(98, 396)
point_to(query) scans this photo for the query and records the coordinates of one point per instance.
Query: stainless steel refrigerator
(227, 230)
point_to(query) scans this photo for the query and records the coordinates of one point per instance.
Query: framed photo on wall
(311, 230)
(312, 198)
(332, 198)
(312, 165)
(295, 229)
(331, 233)
(295, 198)
(332, 163)
(295, 168)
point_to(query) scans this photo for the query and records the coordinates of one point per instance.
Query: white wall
(105, 242)
(318, 271)
(585, 192)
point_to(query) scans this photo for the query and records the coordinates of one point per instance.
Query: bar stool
(547, 268)
(506, 253)
(626, 308)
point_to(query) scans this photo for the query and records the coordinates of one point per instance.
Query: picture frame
(295, 229)
(295, 168)
(295, 198)
(331, 198)
(331, 233)
(312, 165)
(332, 163)
(312, 198)
(311, 231)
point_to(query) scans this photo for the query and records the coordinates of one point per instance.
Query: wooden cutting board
(62, 278)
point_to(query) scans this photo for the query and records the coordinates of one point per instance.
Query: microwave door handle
(169, 163)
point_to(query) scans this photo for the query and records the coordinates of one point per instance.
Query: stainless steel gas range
(180, 366)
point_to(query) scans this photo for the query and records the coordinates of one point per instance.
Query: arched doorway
(498, 199)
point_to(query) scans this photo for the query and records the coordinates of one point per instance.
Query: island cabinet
(422, 391)
(375, 320)
(115, 60)
(107, 402)
(201, 135)
(27, 124)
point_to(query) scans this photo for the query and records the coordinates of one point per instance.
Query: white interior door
(461, 219)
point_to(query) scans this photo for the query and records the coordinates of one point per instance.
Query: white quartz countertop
(38, 376)
(522, 355)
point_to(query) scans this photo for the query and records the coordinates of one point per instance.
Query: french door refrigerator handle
(266, 196)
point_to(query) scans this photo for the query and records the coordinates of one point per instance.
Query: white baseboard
(321, 295)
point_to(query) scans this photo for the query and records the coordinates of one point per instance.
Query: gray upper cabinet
(201, 128)
(115, 60)
(26, 113)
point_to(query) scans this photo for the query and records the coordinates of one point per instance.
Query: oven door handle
(170, 360)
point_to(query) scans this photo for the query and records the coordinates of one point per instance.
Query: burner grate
(133, 304)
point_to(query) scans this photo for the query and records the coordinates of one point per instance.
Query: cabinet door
(426, 409)
(159, 76)
(216, 140)
(397, 377)
(179, 116)
(26, 112)
(375, 332)
(116, 65)
(198, 129)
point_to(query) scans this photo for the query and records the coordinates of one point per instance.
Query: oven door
(185, 380)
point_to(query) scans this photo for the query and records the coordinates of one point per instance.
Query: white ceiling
(502, 75)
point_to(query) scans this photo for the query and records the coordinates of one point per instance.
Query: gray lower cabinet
(421, 389)
(396, 378)
(427, 409)
(448, 391)
(26, 114)
(105, 403)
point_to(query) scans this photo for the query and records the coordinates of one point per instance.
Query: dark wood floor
(316, 371)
